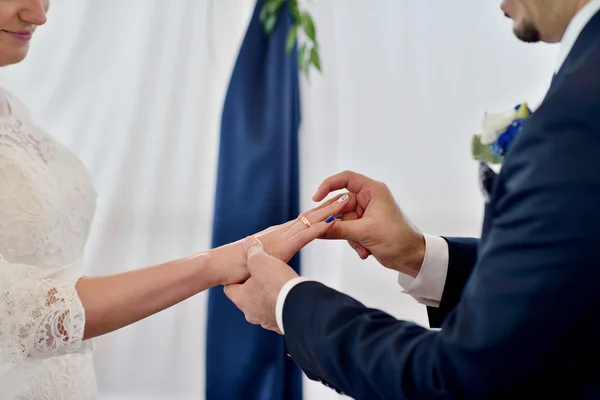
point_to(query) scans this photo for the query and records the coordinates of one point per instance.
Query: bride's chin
(10, 56)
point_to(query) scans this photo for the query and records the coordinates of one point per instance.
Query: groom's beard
(528, 33)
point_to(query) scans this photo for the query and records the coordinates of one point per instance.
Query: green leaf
(303, 61)
(269, 24)
(264, 13)
(291, 38)
(523, 111)
(295, 10)
(269, 13)
(301, 56)
(315, 59)
(273, 6)
(309, 27)
(482, 152)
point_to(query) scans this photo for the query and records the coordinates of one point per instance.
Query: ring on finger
(305, 221)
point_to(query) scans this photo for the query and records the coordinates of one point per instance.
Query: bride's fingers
(320, 206)
(351, 203)
(282, 227)
(306, 221)
(305, 236)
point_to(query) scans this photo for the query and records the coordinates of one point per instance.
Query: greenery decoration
(308, 51)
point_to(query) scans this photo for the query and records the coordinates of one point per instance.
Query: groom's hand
(373, 223)
(257, 297)
(281, 241)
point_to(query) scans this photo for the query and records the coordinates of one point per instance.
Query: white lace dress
(47, 204)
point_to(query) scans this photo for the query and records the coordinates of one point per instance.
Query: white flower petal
(494, 125)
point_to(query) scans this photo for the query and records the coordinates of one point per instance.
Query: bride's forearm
(115, 301)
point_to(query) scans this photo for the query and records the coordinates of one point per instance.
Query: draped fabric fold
(257, 187)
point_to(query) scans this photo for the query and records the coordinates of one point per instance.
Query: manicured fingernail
(330, 219)
(343, 198)
(339, 217)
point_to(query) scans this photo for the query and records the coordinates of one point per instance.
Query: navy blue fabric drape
(257, 187)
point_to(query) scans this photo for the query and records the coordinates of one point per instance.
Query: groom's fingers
(337, 233)
(332, 234)
(233, 292)
(352, 181)
(347, 230)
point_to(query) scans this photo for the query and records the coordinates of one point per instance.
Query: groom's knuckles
(336, 232)
(350, 180)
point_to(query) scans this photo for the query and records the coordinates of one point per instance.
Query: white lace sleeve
(39, 318)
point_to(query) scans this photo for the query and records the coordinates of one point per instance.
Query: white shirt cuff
(427, 288)
(281, 298)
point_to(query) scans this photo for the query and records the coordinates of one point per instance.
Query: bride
(48, 310)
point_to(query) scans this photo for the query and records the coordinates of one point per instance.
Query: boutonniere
(497, 135)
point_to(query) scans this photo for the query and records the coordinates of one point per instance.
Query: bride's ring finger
(305, 221)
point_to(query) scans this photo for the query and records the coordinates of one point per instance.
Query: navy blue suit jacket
(519, 309)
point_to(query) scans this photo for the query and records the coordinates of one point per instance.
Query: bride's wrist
(227, 264)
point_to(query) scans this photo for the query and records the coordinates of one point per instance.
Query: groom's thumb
(252, 246)
(257, 260)
(346, 230)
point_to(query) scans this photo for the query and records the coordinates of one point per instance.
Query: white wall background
(135, 88)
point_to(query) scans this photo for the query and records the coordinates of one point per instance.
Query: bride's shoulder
(11, 105)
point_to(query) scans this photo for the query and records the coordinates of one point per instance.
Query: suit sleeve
(513, 333)
(462, 255)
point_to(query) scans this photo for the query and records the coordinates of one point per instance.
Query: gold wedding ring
(305, 221)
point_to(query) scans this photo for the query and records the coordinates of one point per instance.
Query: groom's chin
(527, 33)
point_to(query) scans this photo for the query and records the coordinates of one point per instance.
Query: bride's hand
(281, 241)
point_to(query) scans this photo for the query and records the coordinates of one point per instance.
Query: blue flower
(501, 146)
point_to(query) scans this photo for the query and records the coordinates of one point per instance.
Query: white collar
(574, 29)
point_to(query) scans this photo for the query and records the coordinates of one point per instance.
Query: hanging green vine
(308, 52)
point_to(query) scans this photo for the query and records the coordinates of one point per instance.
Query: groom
(518, 308)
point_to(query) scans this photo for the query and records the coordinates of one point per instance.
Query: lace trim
(39, 318)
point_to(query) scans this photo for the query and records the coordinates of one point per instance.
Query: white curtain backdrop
(136, 87)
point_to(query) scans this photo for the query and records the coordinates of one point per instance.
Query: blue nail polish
(330, 219)
(339, 217)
